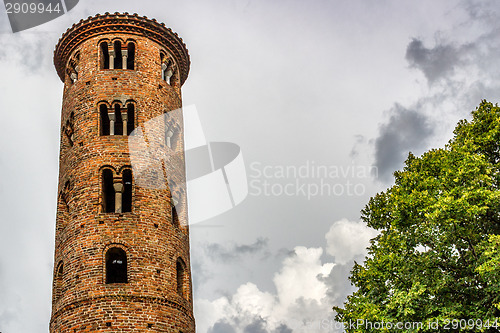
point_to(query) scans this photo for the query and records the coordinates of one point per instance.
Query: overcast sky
(349, 86)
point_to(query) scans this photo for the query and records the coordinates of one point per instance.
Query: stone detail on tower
(122, 249)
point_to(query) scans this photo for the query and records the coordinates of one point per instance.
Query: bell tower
(121, 259)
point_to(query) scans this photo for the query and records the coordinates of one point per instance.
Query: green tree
(437, 256)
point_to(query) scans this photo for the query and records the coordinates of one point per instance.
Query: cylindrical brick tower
(121, 249)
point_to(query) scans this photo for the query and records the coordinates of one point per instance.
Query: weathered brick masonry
(121, 250)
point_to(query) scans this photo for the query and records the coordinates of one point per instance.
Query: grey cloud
(469, 72)
(485, 10)
(260, 243)
(283, 329)
(405, 130)
(436, 62)
(284, 252)
(338, 283)
(221, 327)
(28, 51)
(257, 326)
(360, 139)
(234, 251)
(202, 273)
(339, 288)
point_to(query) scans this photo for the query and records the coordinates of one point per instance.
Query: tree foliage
(437, 256)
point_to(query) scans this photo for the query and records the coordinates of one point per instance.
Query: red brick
(82, 301)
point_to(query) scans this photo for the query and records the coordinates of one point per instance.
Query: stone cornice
(121, 23)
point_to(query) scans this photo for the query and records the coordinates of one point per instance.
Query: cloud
(258, 326)
(234, 251)
(301, 299)
(283, 329)
(461, 70)
(302, 269)
(338, 284)
(221, 327)
(437, 62)
(305, 289)
(405, 130)
(259, 245)
(30, 52)
(484, 10)
(360, 139)
(215, 261)
(348, 240)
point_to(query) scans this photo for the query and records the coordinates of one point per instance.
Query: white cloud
(347, 240)
(298, 277)
(306, 289)
(300, 302)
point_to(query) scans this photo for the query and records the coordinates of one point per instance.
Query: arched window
(103, 111)
(116, 266)
(73, 68)
(104, 61)
(127, 191)
(59, 280)
(175, 216)
(131, 55)
(64, 206)
(169, 137)
(118, 120)
(118, 64)
(117, 55)
(181, 272)
(65, 196)
(108, 191)
(167, 69)
(130, 118)
(69, 129)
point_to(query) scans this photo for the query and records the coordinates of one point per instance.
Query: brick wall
(150, 300)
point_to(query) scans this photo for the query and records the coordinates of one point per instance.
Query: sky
(325, 99)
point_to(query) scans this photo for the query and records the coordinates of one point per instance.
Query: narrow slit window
(104, 56)
(169, 135)
(73, 74)
(127, 191)
(130, 118)
(118, 55)
(131, 56)
(108, 191)
(118, 120)
(69, 129)
(65, 195)
(163, 65)
(103, 110)
(168, 71)
(59, 280)
(116, 266)
(180, 268)
(64, 203)
(175, 216)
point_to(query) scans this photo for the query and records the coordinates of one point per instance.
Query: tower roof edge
(120, 23)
